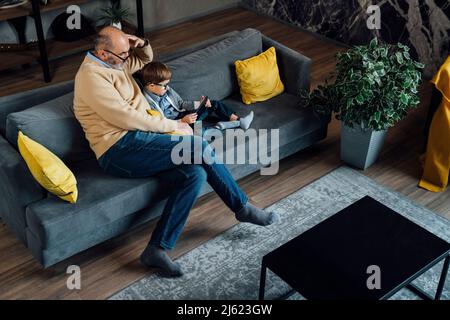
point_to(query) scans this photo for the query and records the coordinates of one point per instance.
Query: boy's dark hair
(155, 72)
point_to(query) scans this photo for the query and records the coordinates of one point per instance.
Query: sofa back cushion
(210, 71)
(52, 124)
(24, 100)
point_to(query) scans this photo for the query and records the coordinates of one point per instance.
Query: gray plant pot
(361, 147)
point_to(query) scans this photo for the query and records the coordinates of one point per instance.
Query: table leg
(287, 295)
(41, 39)
(140, 19)
(425, 296)
(419, 292)
(262, 282)
(442, 279)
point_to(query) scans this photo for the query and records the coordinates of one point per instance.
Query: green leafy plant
(375, 85)
(114, 14)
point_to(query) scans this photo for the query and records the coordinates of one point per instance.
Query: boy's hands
(189, 118)
(208, 103)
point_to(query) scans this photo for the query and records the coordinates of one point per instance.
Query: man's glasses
(123, 59)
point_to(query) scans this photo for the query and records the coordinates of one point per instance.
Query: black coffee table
(330, 260)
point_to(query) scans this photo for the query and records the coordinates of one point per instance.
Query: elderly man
(130, 143)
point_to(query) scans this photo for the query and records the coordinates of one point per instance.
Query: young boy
(162, 98)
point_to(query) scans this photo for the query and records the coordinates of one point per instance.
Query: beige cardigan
(108, 102)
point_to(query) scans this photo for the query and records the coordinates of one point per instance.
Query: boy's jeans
(143, 154)
(219, 108)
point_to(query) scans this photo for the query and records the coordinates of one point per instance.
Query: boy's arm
(190, 105)
(184, 104)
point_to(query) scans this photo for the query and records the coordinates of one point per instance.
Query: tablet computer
(202, 106)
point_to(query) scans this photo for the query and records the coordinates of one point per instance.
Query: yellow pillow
(51, 173)
(155, 113)
(258, 77)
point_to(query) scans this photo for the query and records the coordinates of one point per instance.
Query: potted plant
(375, 85)
(114, 15)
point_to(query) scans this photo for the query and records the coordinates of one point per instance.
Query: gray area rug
(228, 266)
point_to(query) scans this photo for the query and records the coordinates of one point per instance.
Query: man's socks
(154, 256)
(250, 213)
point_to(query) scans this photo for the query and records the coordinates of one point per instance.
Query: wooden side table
(17, 16)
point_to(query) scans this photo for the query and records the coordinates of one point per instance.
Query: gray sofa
(108, 206)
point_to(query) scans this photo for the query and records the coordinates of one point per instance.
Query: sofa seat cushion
(53, 125)
(102, 199)
(282, 112)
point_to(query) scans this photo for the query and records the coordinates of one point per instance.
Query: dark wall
(424, 25)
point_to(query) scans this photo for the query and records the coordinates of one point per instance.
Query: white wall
(157, 13)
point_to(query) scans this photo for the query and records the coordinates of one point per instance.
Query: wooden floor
(114, 264)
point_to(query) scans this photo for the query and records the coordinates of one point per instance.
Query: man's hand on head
(135, 42)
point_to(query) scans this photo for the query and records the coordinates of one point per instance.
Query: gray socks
(155, 256)
(243, 122)
(222, 125)
(250, 213)
(246, 121)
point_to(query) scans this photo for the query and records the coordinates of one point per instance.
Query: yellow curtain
(437, 159)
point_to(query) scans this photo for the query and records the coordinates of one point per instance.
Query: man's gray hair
(102, 41)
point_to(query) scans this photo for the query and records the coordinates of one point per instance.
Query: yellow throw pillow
(258, 77)
(155, 113)
(51, 173)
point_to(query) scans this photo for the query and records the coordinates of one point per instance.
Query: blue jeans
(142, 154)
(219, 108)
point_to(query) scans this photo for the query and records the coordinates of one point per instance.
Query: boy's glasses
(165, 86)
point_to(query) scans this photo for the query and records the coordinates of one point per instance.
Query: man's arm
(140, 57)
(105, 100)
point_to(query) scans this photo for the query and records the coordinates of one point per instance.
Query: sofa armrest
(294, 67)
(18, 188)
(24, 100)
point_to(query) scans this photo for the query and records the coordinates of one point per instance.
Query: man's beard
(114, 65)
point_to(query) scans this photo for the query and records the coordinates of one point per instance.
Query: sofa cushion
(282, 112)
(166, 57)
(210, 71)
(258, 77)
(24, 100)
(102, 199)
(48, 170)
(52, 124)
